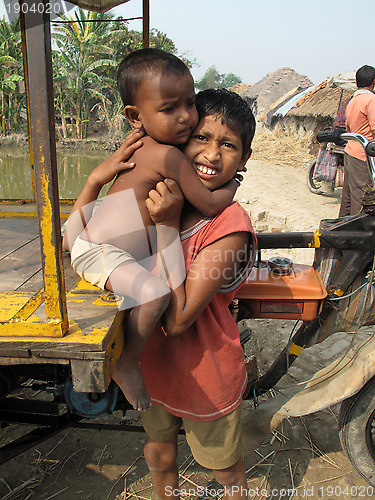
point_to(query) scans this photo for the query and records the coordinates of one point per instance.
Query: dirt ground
(302, 459)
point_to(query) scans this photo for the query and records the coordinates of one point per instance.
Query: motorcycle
(336, 293)
(344, 264)
(314, 181)
(334, 147)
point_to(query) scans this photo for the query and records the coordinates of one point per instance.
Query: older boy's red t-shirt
(201, 374)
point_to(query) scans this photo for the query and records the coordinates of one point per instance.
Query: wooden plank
(10, 243)
(71, 277)
(59, 352)
(94, 375)
(74, 344)
(47, 352)
(40, 350)
(13, 351)
(89, 376)
(15, 233)
(30, 361)
(17, 224)
(7, 224)
(19, 266)
(35, 282)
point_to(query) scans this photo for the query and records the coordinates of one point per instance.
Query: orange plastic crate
(297, 295)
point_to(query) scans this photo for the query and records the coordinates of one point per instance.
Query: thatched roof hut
(323, 104)
(314, 112)
(271, 88)
(240, 88)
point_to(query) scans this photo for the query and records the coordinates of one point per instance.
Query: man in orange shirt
(360, 118)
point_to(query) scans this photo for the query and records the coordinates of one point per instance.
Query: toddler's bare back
(122, 218)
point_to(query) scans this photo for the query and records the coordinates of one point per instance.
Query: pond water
(73, 170)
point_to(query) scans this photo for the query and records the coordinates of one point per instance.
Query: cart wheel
(90, 404)
(313, 184)
(357, 430)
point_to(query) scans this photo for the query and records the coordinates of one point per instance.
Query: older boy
(196, 374)
(194, 368)
(113, 251)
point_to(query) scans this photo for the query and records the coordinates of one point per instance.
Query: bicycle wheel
(357, 430)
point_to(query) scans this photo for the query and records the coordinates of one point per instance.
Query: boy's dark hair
(365, 76)
(232, 110)
(143, 64)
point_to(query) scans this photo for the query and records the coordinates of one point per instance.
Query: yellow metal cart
(53, 325)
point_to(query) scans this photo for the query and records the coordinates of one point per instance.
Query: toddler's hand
(239, 177)
(107, 171)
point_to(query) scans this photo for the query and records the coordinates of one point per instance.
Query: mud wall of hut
(302, 127)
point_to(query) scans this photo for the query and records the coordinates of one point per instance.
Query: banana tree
(89, 49)
(11, 100)
(9, 95)
(83, 47)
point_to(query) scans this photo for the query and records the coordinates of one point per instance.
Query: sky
(251, 38)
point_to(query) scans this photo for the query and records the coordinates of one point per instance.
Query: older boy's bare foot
(132, 385)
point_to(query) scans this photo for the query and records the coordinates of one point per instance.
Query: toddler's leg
(152, 293)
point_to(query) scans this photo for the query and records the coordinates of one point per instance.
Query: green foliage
(85, 58)
(11, 72)
(83, 50)
(212, 79)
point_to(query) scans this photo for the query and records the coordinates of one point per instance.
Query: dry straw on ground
(280, 148)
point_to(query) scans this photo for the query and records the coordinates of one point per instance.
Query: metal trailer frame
(53, 341)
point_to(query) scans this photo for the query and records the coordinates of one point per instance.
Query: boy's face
(215, 152)
(165, 108)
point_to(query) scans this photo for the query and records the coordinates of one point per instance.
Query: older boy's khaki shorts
(94, 262)
(215, 444)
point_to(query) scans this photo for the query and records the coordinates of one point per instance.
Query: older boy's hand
(165, 203)
(107, 171)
